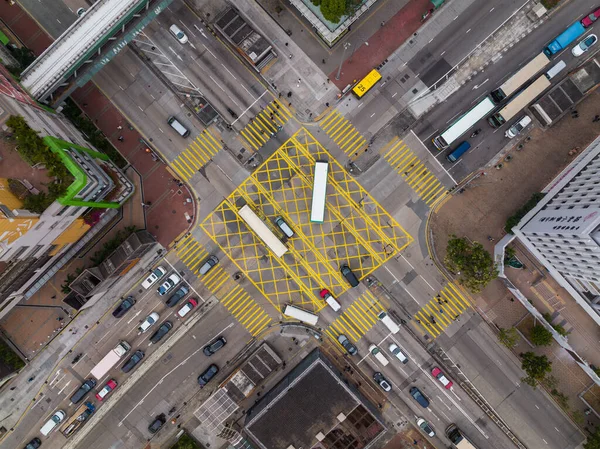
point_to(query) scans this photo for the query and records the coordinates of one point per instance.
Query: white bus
(262, 231)
(464, 123)
(301, 315)
(517, 104)
(317, 211)
(518, 80)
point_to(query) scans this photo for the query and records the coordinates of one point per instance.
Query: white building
(563, 230)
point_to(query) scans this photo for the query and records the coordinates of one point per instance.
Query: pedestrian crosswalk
(196, 155)
(265, 124)
(441, 311)
(229, 293)
(344, 134)
(414, 172)
(357, 319)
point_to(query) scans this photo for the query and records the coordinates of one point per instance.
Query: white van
(177, 126)
(54, 421)
(156, 274)
(376, 352)
(556, 69)
(388, 322)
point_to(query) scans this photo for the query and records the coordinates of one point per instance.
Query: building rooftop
(306, 405)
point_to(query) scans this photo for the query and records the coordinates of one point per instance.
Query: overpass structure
(86, 46)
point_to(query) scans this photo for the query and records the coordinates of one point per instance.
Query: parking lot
(356, 230)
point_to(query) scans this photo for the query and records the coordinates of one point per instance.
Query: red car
(437, 373)
(588, 20)
(110, 386)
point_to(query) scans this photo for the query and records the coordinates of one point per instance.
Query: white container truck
(110, 360)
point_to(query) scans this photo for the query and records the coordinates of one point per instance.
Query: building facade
(563, 230)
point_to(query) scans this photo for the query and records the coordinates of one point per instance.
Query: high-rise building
(35, 245)
(563, 230)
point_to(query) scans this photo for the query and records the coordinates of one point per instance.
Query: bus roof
(366, 83)
(524, 98)
(262, 231)
(462, 125)
(317, 209)
(514, 83)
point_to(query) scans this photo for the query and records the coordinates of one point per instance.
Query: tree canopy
(540, 336)
(333, 10)
(509, 337)
(474, 264)
(535, 366)
(593, 441)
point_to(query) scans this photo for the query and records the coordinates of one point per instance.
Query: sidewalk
(166, 217)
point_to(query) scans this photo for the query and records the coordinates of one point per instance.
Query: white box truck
(110, 360)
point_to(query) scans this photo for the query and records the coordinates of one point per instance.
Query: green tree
(509, 337)
(474, 264)
(333, 10)
(540, 336)
(535, 366)
(593, 441)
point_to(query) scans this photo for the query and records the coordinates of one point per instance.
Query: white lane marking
(442, 401)
(186, 27)
(406, 260)
(55, 377)
(536, 406)
(201, 32)
(228, 71)
(134, 316)
(477, 86)
(443, 53)
(431, 411)
(455, 18)
(248, 108)
(170, 372)
(468, 31)
(189, 285)
(105, 335)
(394, 94)
(208, 50)
(557, 429)
(544, 441)
(372, 115)
(492, 9)
(249, 93)
(424, 280)
(215, 81)
(441, 166)
(457, 397)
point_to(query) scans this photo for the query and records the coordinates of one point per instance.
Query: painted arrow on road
(477, 86)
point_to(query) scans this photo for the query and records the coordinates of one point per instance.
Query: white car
(156, 274)
(425, 427)
(179, 35)
(584, 45)
(171, 282)
(149, 321)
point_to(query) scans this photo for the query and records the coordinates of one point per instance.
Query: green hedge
(186, 442)
(9, 357)
(549, 4)
(516, 218)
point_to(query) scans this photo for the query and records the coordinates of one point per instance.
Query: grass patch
(187, 442)
(10, 357)
(549, 4)
(516, 218)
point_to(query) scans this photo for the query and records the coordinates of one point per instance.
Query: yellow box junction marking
(235, 299)
(357, 319)
(265, 124)
(356, 229)
(196, 156)
(344, 134)
(441, 311)
(414, 172)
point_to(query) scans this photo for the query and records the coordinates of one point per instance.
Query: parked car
(382, 381)
(157, 424)
(34, 444)
(161, 332)
(133, 361)
(110, 386)
(85, 388)
(156, 274)
(591, 18)
(425, 427)
(394, 349)
(177, 296)
(207, 375)
(213, 347)
(348, 346)
(210, 262)
(166, 286)
(439, 375)
(584, 45)
(124, 307)
(149, 321)
(187, 308)
(419, 397)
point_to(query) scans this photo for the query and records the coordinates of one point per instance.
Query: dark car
(213, 347)
(419, 397)
(177, 296)
(348, 346)
(207, 375)
(157, 424)
(34, 444)
(133, 361)
(127, 304)
(85, 388)
(349, 275)
(161, 332)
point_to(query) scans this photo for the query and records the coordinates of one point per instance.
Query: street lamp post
(346, 46)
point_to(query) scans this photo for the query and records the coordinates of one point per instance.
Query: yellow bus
(366, 83)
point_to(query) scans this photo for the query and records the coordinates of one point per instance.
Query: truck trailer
(110, 360)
